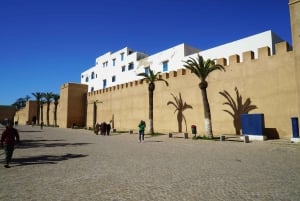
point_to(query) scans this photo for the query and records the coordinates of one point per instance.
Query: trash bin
(194, 129)
(295, 127)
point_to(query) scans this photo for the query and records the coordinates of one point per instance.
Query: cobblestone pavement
(73, 164)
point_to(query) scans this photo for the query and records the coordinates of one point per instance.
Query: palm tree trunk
(55, 115)
(179, 121)
(42, 113)
(48, 108)
(207, 114)
(151, 129)
(38, 113)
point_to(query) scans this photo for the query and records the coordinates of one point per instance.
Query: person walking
(103, 128)
(108, 127)
(142, 126)
(10, 137)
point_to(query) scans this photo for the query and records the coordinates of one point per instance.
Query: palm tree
(55, 98)
(180, 106)
(202, 69)
(27, 98)
(38, 96)
(151, 78)
(20, 103)
(238, 108)
(42, 110)
(48, 96)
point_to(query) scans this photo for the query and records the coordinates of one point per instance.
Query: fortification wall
(7, 113)
(51, 114)
(268, 81)
(72, 105)
(26, 114)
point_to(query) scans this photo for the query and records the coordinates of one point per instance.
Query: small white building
(123, 66)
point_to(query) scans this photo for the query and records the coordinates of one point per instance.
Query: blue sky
(46, 43)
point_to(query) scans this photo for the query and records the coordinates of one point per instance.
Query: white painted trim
(255, 137)
(295, 140)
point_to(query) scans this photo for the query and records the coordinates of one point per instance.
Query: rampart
(269, 81)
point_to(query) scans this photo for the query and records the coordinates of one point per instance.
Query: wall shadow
(25, 144)
(30, 131)
(271, 133)
(45, 159)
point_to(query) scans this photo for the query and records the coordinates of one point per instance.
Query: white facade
(112, 68)
(123, 66)
(251, 43)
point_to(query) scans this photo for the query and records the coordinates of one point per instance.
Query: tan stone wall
(295, 30)
(7, 112)
(51, 114)
(268, 81)
(72, 105)
(25, 115)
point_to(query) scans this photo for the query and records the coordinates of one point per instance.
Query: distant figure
(32, 123)
(10, 137)
(97, 128)
(103, 128)
(142, 126)
(42, 125)
(108, 127)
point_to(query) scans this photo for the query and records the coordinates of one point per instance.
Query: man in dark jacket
(10, 137)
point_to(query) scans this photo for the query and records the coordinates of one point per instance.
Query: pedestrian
(10, 137)
(97, 126)
(142, 126)
(108, 127)
(42, 125)
(103, 128)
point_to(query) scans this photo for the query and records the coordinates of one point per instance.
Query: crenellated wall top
(263, 53)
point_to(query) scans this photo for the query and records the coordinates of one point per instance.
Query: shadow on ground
(46, 143)
(45, 159)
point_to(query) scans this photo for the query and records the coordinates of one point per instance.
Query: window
(122, 56)
(113, 78)
(105, 64)
(165, 66)
(114, 62)
(104, 83)
(86, 79)
(147, 70)
(93, 75)
(130, 66)
(123, 68)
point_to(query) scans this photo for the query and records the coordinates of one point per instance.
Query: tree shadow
(237, 107)
(45, 159)
(25, 144)
(30, 131)
(180, 106)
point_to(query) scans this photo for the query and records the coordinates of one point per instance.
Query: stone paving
(73, 164)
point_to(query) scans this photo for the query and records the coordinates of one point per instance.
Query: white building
(123, 66)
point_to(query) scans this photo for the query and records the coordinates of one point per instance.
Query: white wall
(252, 43)
(175, 57)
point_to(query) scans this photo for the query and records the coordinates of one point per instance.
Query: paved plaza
(76, 165)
